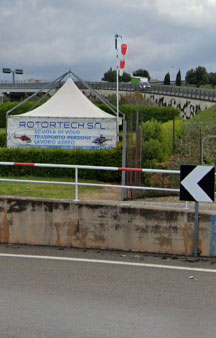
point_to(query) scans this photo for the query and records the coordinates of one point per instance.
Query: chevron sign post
(197, 184)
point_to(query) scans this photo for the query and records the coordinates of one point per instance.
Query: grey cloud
(48, 36)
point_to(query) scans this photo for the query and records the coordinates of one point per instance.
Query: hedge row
(106, 158)
(6, 106)
(146, 113)
(3, 139)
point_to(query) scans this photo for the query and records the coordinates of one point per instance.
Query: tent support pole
(100, 97)
(36, 93)
(39, 100)
(31, 97)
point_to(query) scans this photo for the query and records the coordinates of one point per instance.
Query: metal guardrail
(160, 89)
(77, 183)
(184, 92)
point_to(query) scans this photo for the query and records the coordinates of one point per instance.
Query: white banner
(66, 133)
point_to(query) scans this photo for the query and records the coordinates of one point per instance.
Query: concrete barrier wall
(104, 225)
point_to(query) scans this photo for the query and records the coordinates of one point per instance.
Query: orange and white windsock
(122, 61)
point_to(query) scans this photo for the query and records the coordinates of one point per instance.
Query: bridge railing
(23, 85)
(160, 89)
(191, 93)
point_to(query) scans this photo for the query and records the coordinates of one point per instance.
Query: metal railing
(80, 167)
(160, 89)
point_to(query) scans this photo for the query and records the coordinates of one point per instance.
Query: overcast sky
(48, 37)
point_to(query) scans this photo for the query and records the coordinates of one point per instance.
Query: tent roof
(70, 102)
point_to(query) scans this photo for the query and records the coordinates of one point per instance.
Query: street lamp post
(16, 71)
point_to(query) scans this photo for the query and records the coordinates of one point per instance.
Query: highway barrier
(116, 225)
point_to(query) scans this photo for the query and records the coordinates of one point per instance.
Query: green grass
(207, 86)
(207, 116)
(49, 190)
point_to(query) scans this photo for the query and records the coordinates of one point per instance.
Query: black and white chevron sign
(197, 183)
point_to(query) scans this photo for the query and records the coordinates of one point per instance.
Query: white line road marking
(100, 261)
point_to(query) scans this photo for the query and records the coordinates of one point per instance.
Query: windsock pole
(117, 83)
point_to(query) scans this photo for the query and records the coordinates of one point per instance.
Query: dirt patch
(104, 194)
(115, 194)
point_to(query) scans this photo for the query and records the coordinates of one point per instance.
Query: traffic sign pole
(197, 184)
(196, 228)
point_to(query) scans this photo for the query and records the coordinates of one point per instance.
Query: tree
(212, 79)
(167, 79)
(190, 77)
(199, 76)
(178, 78)
(142, 73)
(125, 77)
(110, 76)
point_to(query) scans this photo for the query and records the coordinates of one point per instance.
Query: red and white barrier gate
(77, 183)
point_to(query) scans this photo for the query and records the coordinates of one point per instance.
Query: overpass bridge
(188, 100)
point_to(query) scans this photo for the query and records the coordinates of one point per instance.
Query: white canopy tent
(67, 120)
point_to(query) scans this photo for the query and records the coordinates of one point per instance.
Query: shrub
(6, 106)
(3, 139)
(158, 141)
(152, 130)
(152, 153)
(146, 113)
(152, 147)
(107, 158)
(167, 136)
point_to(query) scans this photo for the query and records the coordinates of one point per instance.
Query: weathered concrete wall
(105, 225)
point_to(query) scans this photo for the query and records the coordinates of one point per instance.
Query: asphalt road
(86, 298)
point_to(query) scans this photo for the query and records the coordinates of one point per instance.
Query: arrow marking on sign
(190, 183)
